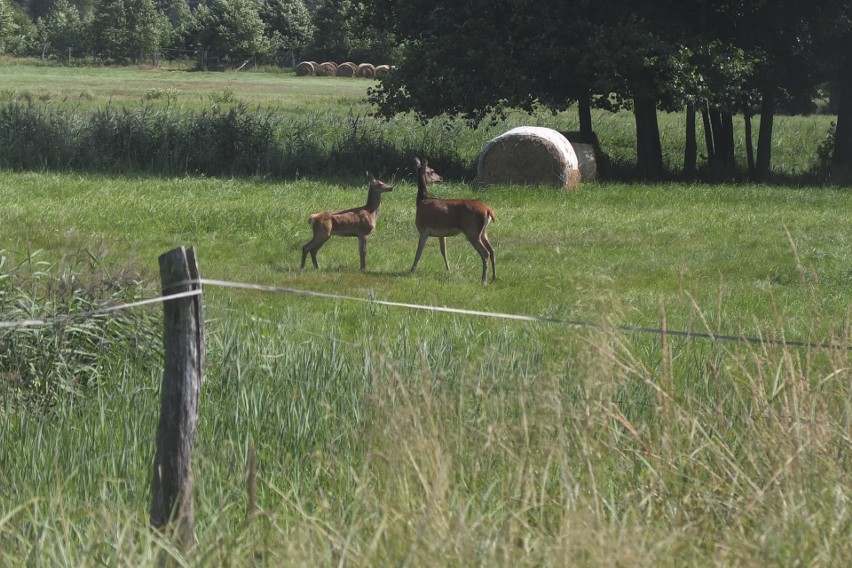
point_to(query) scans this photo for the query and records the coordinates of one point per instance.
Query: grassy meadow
(387, 436)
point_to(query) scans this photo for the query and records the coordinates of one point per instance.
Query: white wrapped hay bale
(584, 146)
(529, 155)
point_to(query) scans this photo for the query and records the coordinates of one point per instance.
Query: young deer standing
(359, 222)
(447, 217)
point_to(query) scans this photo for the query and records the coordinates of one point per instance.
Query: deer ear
(370, 175)
(416, 162)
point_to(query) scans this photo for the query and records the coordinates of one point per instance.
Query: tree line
(713, 59)
(220, 32)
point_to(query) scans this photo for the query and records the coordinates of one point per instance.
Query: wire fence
(420, 307)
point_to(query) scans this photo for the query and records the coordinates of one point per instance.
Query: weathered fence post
(183, 340)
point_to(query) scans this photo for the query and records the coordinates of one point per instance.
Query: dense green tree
(86, 8)
(6, 29)
(346, 30)
(125, 29)
(61, 29)
(456, 58)
(836, 49)
(474, 59)
(288, 26)
(35, 8)
(17, 31)
(175, 21)
(334, 25)
(229, 30)
(716, 57)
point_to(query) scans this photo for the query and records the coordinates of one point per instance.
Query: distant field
(92, 87)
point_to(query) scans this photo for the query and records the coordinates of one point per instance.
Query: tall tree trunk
(708, 135)
(728, 133)
(722, 144)
(584, 112)
(764, 137)
(749, 144)
(690, 152)
(718, 136)
(723, 135)
(842, 155)
(649, 150)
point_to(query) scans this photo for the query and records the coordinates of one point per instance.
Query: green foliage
(228, 139)
(288, 26)
(40, 364)
(229, 30)
(17, 32)
(6, 29)
(171, 95)
(176, 19)
(345, 30)
(124, 30)
(62, 28)
(333, 35)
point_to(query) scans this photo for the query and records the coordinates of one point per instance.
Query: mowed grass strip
(85, 88)
(748, 255)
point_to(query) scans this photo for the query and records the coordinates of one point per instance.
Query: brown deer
(447, 217)
(359, 222)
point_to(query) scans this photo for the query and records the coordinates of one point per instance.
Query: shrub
(40, 362)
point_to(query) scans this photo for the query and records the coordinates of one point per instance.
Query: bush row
(236, 141)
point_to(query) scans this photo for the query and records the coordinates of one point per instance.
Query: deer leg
(305, 250)
(483, 252)
(362, 250)
(443, 241)
(312, 247)
(420, 245)
(491, 254)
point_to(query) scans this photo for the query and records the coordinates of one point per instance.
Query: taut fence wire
(423, 307)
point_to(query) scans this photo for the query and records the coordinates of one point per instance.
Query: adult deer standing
(359, 222)
(447, 217)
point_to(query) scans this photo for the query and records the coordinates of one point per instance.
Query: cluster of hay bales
(345, 69)
(532, 155)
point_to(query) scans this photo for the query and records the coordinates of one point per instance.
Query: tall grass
(436, 440)
(40, 363)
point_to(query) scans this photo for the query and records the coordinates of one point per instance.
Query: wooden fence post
(183, 341)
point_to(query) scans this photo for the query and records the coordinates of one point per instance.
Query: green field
(94, 87)
(387, 436)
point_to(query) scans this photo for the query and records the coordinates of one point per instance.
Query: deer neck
(374, 201)
(421, 186)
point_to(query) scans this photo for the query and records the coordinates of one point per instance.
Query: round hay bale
(346, 69)
(584, 147)
(306, 69)
(382, 70)
(366, 71)
(529, 155)
(327, 69)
